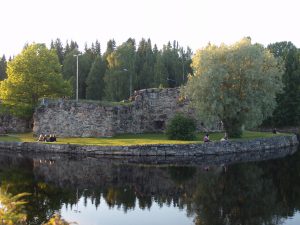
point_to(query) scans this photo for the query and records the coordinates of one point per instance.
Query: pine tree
(3, 65)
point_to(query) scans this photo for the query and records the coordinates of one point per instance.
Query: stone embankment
(182, 150)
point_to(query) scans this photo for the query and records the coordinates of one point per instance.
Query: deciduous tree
(33, 74)
(120, 75)
(236, 84)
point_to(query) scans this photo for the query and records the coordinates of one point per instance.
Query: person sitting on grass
(41, 138)
(206, 138)
(274, 131)
(52, 138)
(225, 138)
(47, 138)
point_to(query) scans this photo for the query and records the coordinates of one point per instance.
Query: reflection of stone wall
(94, 173)
(148, 112)
(9, 123)
(102, 172)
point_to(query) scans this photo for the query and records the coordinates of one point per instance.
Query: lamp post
(77, 75)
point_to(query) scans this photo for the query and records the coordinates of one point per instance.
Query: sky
(192, 23)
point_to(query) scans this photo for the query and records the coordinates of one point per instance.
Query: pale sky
(193, 23)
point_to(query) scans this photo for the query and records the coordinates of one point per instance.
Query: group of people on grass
(225, 138)
(47, 138)
(206, 137)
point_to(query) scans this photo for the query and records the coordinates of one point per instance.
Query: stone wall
(11, 124)
(166, 150)
(71, 119)
(149, 111)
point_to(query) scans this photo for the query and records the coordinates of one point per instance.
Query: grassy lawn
(132, 139)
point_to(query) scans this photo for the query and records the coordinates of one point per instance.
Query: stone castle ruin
(12, 124)
(149, 111)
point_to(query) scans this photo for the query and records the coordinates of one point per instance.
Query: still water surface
(234, 189)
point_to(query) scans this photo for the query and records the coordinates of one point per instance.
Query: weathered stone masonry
(185, 150)
(148, 112)
(12, 124)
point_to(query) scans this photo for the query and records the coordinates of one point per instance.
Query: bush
(181, 128)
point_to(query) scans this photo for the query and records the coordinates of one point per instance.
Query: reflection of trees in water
(16, 175)
(250, 193)
(253, 193)
(240, 196)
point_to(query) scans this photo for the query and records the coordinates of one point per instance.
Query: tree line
(115, 73)
(111, 75)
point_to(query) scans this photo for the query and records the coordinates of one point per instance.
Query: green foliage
(287, 113)
(181, 128)
(58, 47)
(116, 85)
(3, 65)
(57, 220)
(120, 74)
(70, 47)
(95, 80)
(70, 71)
(236, 84)
(33, 74)
(144, 64)
(11, 208)
(160, 73)
(146, 67)
(172, 65)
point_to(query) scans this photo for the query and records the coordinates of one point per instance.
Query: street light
(77, 76)
(130, 82)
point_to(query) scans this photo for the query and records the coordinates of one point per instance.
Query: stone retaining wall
(185, 150)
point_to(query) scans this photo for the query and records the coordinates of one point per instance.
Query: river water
(244, 189)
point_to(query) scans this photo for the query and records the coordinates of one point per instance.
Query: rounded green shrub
(181, 127)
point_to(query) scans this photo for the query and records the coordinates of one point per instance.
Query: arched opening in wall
(159, 125)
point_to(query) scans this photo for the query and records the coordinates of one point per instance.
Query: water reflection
(216, 191)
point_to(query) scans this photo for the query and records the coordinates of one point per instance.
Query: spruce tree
(287, 112)
(57, 45)
(144, 65)
(95, 80)
(3, 65)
